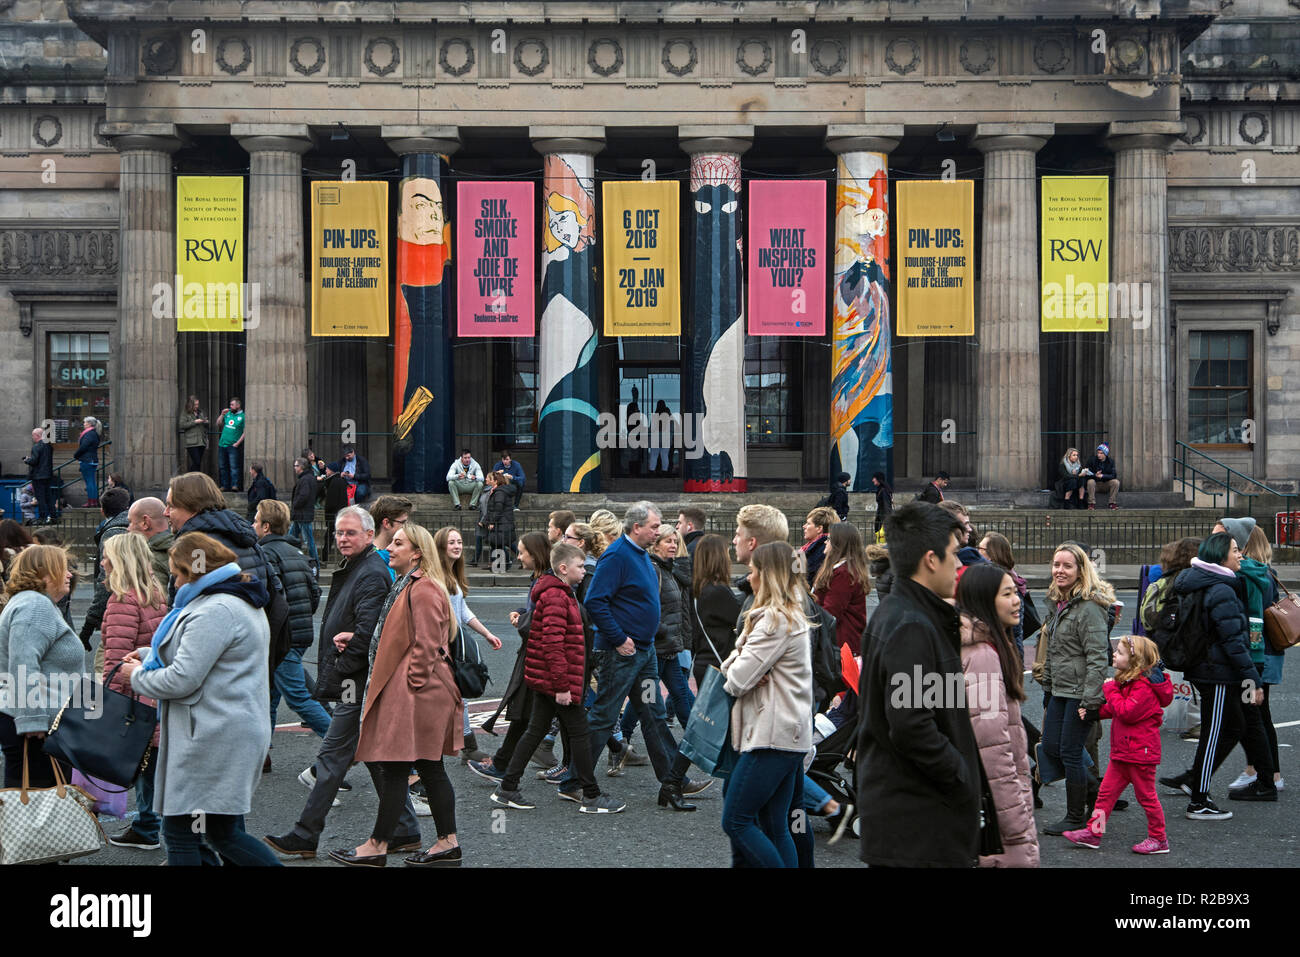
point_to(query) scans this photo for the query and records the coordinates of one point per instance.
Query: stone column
(424, 324)
(862, 384)
(1138, 420)
(714, 390)
(275, 373)
(145, 402)
(568, 459)
(1009, 421)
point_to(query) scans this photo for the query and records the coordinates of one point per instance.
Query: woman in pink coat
(990, 606)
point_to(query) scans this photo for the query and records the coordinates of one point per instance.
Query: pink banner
(787, 258)
(497, 250)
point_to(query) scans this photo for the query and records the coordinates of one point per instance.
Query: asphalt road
(556, 834)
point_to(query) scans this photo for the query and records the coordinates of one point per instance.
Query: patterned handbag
(41, 825)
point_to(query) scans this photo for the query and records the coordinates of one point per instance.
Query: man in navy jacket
(1100, 470)
(515, 472)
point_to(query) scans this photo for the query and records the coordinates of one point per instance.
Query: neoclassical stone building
(1191, 107)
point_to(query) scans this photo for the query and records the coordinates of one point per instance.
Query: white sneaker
(421, 806)
(308, 780)
(1243, 779)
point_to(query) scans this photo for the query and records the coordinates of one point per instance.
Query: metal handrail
(1183, 466)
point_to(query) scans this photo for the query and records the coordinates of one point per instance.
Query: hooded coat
(1137, 710)
(1228, 658)
(128, 625)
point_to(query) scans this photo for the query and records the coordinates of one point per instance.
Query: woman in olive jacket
(1072, 667)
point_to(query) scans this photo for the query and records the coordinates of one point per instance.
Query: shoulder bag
(471, 676)
(109, 742)
(47, 824)
(1282, 620)
(990, 831)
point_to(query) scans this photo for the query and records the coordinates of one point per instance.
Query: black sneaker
(291, 845)
(131, 838)
(514, 799)
(601, 804)
(1178, 783)
(1253, 792)
(1204, 809)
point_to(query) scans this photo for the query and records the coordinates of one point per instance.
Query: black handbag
(471, 676)
(990, 832)
(109, 742)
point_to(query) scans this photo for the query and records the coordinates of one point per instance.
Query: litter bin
(9, 498)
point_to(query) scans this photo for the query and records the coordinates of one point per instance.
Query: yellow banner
(349, 259)
(936, 255)
(642, 261)
(1076, 254)
(208, 295)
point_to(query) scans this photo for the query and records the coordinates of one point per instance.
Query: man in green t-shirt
(230, 447)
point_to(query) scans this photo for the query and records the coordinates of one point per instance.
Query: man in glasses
(390, 513)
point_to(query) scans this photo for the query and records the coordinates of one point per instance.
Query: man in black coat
(302, 508)
(932, 493)
(357, 592)
(40, 471)
(259, 489)
(918, 765)
(1101, 473)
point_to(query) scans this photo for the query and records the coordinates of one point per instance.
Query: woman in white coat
(207, 667)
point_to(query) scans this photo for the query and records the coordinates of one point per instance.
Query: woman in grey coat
(208, 669)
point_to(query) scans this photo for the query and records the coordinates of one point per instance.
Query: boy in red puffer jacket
(1135, 700)
(553, 668)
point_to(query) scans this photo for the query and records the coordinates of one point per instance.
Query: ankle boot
(671, 793)
(1075, 796)
(1038, 802)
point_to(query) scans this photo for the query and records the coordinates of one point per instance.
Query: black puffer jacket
(300, 587)
(1228, 661)
(237, 535)
(500, 515)
(305, 490)
(357, 593)
(109, 528)
(670, 639)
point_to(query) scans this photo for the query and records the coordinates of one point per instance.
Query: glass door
(649, 408)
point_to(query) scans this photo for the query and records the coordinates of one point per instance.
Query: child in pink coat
(1135, 702)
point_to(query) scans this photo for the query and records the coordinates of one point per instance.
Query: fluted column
(1009, 420)
(275, 375)
(1139, 425)
(145, 404)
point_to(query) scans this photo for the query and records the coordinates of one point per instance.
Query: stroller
(825, 770)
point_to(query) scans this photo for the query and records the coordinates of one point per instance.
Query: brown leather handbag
(1282, 621)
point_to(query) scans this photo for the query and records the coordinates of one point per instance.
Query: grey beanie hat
(1239, 529)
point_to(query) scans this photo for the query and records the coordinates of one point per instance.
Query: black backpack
(1182, 631)
(827, 678)
(277, 611)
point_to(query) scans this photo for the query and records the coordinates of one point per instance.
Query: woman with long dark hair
(716, 604)
(843, 584)
(990, 605)
(884, 502)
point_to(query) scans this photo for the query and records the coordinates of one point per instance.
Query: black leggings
(1225, 721)
(392, 797)
(1270, 732)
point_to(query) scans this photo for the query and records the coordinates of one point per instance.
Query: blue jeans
(633, 677)
(680, 696)
(1064, 737)
(147, 822)
(222, 834)
(291, 682)
(304, 532)
(755, 809)
(228, 456)
(88, 475)
(815, 798)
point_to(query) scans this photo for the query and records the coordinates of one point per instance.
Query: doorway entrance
(649, 391)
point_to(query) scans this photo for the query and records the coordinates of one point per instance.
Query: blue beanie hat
(1104, 449)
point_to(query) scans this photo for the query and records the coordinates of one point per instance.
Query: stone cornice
(1231, 248)
(46, 252)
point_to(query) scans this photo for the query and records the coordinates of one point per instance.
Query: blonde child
(1135, 701)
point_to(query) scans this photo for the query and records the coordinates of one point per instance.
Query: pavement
(557, 835)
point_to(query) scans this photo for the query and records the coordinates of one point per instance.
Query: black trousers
(195, 452)
(40, 772)
(1225, 722)
(392, 796)
(44, 501)
(573, 717)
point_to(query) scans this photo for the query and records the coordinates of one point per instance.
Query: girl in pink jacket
(1135, 701)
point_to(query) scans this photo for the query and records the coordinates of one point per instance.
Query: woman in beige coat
(411, 716)
(990, 605)
(770, 675)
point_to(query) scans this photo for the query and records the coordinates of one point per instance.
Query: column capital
(157, 137)
(443, 140)
(715, 139)
(1143, 134)
(567, 139)
(989, 137)
(273, 137)
(863, 137)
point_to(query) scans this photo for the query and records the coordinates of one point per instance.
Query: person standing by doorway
(194, 433)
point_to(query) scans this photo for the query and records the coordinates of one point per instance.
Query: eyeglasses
(572, 538)
(347, 533)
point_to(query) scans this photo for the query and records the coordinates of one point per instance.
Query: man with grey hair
(40, 472)
(357, 592)
(623, 601)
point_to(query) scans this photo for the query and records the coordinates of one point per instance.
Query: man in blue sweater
(623, 601)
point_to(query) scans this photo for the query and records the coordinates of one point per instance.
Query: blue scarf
(184, 596)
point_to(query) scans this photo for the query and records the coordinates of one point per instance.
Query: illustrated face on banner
(563, 224)
(421, 220)
(570, 209)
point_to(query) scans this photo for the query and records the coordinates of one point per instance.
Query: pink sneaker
(1151, 846)
(1083, 837)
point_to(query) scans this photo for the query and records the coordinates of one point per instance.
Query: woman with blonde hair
(87, 456)
(770, 675)
(606, 524)
(36, 638)
(1071, 664)
(136, 606)
(1071, 478)
(412, 705)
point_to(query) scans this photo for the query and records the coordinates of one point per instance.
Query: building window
(516, 366)
(769, 410)
(1220, 386)
(78, 382)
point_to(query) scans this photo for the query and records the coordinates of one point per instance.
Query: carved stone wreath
(1260, 121)
(444, 60)
(543, 56)
(47, 122)
(394, 56)
(977, 56)
(819, 62)
(295, 61)
(1195, 128)
(692, 56)
(743, 62)
(1126, 55)
(160, 55)
(246, 56)
(593, 60)
(1051, 54)
(899, 47)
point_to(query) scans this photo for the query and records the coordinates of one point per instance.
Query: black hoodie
(237, 535)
